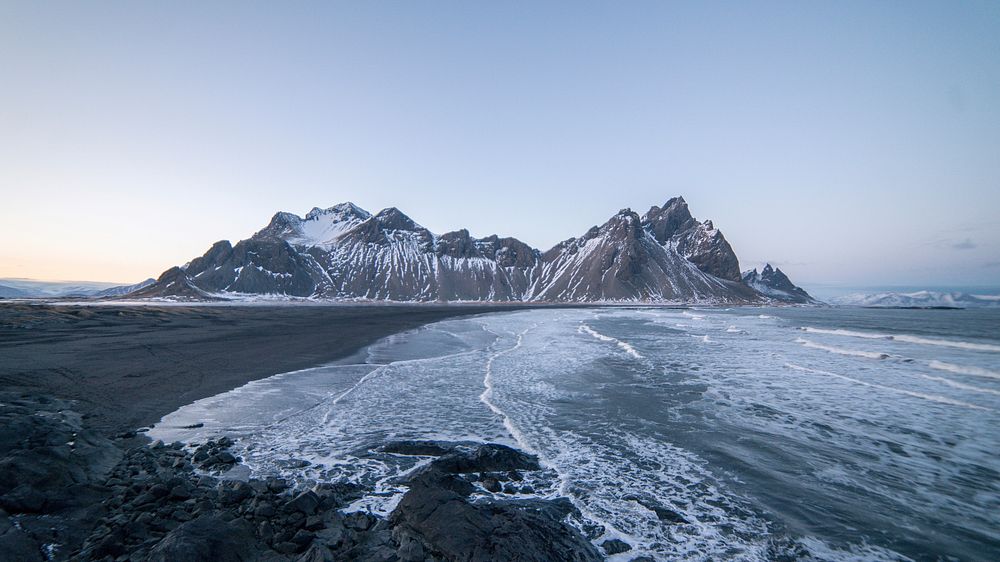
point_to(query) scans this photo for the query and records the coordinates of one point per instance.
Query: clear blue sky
(850, 142)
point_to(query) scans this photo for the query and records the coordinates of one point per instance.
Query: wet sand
(127, 366)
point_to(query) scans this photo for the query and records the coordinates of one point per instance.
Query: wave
(961, 386)
(842, 351)
(585, 329)
(964, 370)
(971, 346)
(735, 330)
(930, 397)
(487, 395)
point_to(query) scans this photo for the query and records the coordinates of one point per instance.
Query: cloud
(966, 244)
(992, 264)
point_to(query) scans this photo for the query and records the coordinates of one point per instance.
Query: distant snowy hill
(919, 299)
(11, 293)
(33, 289)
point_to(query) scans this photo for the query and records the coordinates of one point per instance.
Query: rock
(15, 544)
(287, 547)
(316, 553)
(306, 502)
(449, 527)
(207, 538)
(615, 546)
(314, 523)
(359, 521)
(490, 457)
(416, 448)
(492, 484)
(264, 510)
(303, 537)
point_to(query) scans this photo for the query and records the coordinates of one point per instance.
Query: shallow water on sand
(690, 434)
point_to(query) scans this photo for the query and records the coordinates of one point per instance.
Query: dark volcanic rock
(208, 537)
(444, 524)
(490, 457)
(615, 546)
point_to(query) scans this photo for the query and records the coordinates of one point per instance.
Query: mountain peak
(394, 219)
(774, 283)
(342, 211)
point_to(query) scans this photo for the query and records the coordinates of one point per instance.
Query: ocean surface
(691, 434)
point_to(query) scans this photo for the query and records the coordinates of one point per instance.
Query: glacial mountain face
(773, 283)
(345, 252)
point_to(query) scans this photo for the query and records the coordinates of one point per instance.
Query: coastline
(78, 483)
(128, 366)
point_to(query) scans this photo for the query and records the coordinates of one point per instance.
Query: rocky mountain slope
(775, 284)
(347, 253)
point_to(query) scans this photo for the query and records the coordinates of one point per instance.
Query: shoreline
(127, 366)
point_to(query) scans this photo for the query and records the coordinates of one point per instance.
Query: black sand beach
(127, 366)
(78, 483)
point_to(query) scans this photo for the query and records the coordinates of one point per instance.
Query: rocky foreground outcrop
(68, 494)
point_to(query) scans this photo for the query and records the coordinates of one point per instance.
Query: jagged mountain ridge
(345, 252)
(775, 284)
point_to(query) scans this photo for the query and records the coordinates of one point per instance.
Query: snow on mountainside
(776, 285)
(920, 299)
(346, 253)
(623, 261)
(122, 290)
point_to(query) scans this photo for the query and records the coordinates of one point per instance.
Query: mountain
(346, 253)
(920, 299)
(122, 290)
(628, 259)
(31, 288)
(776, 285)
(11, 293)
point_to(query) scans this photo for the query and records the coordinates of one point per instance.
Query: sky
(853, 143)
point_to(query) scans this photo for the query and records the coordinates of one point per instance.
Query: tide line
(930, 397)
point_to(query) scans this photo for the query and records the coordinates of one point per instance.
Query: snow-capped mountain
(624, 260)
(919, 299)
(345, 252)
(776, 285)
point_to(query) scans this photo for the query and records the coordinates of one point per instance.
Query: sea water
(744, 434)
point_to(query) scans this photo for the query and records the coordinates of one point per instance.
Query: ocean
(691, 434)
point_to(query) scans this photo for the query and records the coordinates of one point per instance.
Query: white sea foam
(585, 329)
(964, 369)
(930, 397)
(842, 351)
(487, 396)
(907, 338)
(819, 550)
(962, 386)
(735, 330)
(848, 333)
